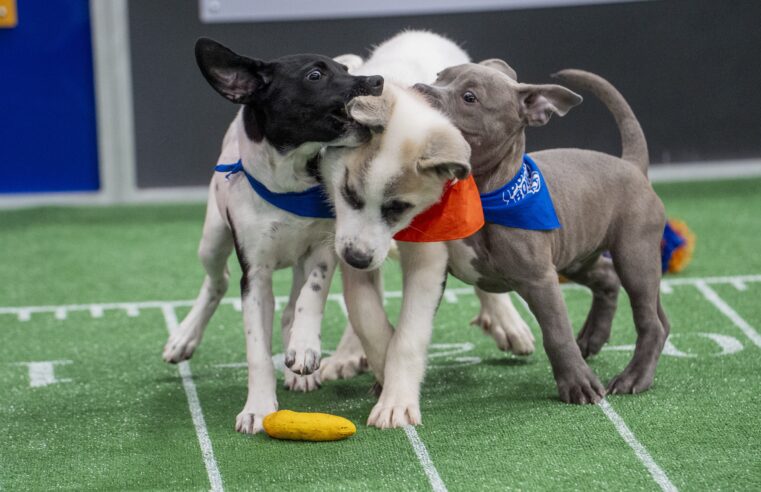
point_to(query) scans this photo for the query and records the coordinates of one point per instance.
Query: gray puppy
(603, 203)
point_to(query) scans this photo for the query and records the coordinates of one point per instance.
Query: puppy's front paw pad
(509, 331)
(394, 416)
(630, 382)
(297, 382)
(302, 361)
(180, 346)
(580, 387)
(339, 366)
(248, 423)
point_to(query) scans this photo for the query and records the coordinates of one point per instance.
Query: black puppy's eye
(351, 197)
(469, 97)
(393, 210)
(314, 75)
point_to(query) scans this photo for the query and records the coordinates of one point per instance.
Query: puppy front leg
(302, 355)
(293, 381)
(258, 304)
(363, 293)
(424, 273)
(575, 380)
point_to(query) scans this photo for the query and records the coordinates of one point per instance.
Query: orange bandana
(457, 215)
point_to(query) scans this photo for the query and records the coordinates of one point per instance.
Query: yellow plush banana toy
(298, 426)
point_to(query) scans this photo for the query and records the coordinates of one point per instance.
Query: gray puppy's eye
(469, 97)
(314, 75)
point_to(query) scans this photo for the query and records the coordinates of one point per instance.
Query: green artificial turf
(491, 421)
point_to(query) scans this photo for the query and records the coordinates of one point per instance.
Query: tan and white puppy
(406, 59)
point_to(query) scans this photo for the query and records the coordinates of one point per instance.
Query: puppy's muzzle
(369, 86)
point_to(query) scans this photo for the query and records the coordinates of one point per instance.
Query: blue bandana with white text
(523, 203)
(312, 203)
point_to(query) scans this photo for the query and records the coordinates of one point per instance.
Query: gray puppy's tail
(633, 143)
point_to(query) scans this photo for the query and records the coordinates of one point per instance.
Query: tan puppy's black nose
(356, 258)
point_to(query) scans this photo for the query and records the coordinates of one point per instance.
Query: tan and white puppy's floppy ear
(446, 153)
(500, 65)
(371, 111)
(350, 61)
(537, 103)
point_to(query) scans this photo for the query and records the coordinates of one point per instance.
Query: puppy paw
(181, 345)
(631, 381)
(390, 415)
(343, 366)
(302, 361)
(580, 386)
(297, 382)
(506, 328)
(249, 421)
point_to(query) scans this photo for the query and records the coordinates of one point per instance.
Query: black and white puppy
(292, 107)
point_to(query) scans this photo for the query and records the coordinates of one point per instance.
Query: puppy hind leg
(499, 319)
(214, 249)
(347, 361)
(638, 265)
(602, 279)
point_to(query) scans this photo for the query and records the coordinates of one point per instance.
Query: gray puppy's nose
(356, 258)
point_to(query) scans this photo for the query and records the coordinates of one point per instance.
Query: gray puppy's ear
(372, 111)
(236, 77)
(446, 153)
(539, 102)
(500, 65)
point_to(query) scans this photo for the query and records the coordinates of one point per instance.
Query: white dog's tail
(633, 143)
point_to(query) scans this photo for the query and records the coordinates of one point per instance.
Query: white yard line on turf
(24, 313)
(215, 478)
(655, 471)
(730, 313)
(425, 459)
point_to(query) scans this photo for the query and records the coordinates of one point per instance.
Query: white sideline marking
(666, 288)
(655, 471)
(425, 459)
(730, 313)
(212, 470)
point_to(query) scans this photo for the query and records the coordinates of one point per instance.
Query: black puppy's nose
(357, 258)
(374, 84)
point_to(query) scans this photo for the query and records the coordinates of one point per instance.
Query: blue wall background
(48, 138)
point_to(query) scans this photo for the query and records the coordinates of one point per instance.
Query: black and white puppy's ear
(236, 77)
(537, 103)
(446, 153)
(500, 65)
(373, 112)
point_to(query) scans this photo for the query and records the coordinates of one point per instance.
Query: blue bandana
(312, 203)
(523, 203)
